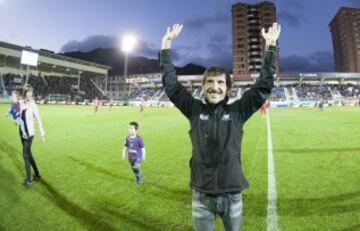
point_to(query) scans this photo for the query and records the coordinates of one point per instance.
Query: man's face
(215, 88)
(132, 130)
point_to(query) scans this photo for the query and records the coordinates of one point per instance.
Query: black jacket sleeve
(176, 92)
(254, 98)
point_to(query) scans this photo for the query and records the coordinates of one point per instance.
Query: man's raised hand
(272, 35)
(170, 34)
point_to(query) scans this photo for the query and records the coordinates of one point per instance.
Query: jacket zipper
(216, 160)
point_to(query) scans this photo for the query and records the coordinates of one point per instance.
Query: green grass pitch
(87, 186)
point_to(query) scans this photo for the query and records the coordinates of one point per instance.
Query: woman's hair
(26, 88)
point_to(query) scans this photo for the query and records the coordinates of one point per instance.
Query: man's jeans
(205, 208)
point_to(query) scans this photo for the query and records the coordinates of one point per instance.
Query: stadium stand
(54, 85)
(51, 75)
(57, 78)
(293, 94)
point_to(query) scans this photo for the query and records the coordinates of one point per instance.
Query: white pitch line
(272, 219)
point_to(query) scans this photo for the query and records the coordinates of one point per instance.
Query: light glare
(128, 43)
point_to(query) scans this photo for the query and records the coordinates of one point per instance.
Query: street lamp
(128, 44)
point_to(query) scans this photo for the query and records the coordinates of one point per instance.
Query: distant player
(14, 111)
(134, 147)
(321, 105)
(96, 105)
(142, 106)
(264, 108)
(110, 103)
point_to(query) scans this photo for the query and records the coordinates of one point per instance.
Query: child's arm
(124, 153)
(37, 117)
(144, 153)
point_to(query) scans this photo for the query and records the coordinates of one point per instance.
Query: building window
(239, 59)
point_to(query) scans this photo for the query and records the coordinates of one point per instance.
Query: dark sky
(70, 25)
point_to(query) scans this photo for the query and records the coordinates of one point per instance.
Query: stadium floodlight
(128, 43)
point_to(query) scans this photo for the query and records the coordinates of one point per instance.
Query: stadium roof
(48, 63)
(320, 76)
(315, 76)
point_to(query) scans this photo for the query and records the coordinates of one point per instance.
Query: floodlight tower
(128, 45)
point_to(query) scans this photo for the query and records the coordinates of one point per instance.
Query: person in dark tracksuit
(217, 179)
(29, 113)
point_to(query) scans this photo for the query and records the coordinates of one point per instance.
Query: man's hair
(15, 93)
(216, 71)
(136, 125)
(25, 90)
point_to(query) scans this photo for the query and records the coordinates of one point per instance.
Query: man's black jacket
(216, 130)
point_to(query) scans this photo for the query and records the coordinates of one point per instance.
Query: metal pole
(27, 74)
(79, 73)
(125, 73)
(2, 84)
(106, 84)
(125, 67)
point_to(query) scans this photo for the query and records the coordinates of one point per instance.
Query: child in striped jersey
(134, 147)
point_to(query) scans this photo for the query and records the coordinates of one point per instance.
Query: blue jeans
(205, 208)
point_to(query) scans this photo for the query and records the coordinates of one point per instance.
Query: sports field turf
(87, 186)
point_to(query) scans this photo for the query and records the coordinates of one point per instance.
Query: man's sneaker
(27, 183)
(37, 178)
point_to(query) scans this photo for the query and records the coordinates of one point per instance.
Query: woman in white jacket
(30, 113)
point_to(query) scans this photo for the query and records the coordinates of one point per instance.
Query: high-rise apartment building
(345, 31)
(248, 44)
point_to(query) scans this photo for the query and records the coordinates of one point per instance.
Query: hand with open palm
(272, 35)
(170, 35)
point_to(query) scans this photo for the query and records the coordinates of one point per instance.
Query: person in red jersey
(96, 105)
(264, 108)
